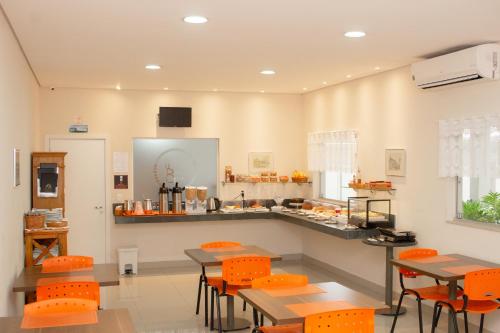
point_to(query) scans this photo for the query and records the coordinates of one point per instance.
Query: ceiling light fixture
(262, 91)
(153, 67)
(268, 72)
(118, 87)
(215, 90)
(304, 89)
(166, 88)
(195, 19)
(377, 68)
(348, 76)
(355, 34)
(325, 83)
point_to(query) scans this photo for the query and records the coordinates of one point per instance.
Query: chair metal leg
(199, 295)
(211, 309)
(440, 308)
(397, 311)
(455, 322)
(255, 318)
(466, 323)
(435, 317)
(219, 315)
(420, 323)
(481, 324)
(244, 305)
(206, 301)
(261, 319)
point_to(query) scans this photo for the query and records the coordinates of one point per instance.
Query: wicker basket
(34, 221)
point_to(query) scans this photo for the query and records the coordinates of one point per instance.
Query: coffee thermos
(177, 198)
(163, 199)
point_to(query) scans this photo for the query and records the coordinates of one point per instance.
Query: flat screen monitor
(175, 117)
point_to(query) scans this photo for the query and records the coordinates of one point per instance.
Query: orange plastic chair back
(243, 270)
(66, 264)
(219, 244)
(80, 290)
(483, 285)
(60, 305)
(413, 254)
(341, 321)
(280, 280)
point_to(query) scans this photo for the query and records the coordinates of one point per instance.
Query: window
(470, 151)
(335, 185)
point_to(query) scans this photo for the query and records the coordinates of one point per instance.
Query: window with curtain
(333, 155)
(470, 152)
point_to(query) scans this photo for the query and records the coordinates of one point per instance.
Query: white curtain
(470, 147)
(332, 151)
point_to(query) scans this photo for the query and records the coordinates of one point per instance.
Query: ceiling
(105, 43)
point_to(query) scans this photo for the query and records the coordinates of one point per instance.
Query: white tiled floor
(164, 301)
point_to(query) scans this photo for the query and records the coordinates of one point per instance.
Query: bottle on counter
(163, 199)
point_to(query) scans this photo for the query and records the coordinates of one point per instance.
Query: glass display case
(369, 213)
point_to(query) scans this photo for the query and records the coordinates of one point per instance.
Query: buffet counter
(337, 230)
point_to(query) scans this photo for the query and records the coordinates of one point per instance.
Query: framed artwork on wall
(17, 167)
(395, 162)
(260, 162)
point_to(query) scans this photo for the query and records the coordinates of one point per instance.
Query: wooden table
(212, 258)
(275, 307)
(389, 255)
(31, 277)
(116, 321)
(55, 237)
(439, 270)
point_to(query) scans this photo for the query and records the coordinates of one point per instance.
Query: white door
(85, 191)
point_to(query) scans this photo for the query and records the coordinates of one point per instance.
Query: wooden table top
(275, 307)
(449, 267)
(116, 321)
(214, 257)
(106, 274)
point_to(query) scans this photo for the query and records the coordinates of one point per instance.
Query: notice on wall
(120, 162)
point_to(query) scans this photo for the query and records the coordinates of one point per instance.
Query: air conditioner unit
(475, 63)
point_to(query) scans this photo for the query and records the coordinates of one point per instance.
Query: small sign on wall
(17, 167)
(121, 182)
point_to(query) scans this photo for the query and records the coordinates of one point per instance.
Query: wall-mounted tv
(175, 116)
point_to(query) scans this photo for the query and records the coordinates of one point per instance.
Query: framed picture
(121, 182)
(260, 162)
(395, 162)
(17, 167)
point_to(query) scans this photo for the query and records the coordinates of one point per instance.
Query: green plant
(472, 210)
(490, 207)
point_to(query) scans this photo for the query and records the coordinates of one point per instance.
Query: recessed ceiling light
(215, 90)
(304, 88)
(268, 72)
(325, 83)
(166, 88)
(118, 87)
(377, 68)
(262, 91)
(348, 76)
(355, 34)
(153, 67)
(195, 19)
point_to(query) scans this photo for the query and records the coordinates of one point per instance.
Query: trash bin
(127, 260)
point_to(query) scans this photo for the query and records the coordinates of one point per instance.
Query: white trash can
(127, 260)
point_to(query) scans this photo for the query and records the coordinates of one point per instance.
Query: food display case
(369, 213)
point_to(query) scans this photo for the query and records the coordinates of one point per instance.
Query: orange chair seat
(474, 306)
(232, 290)
(434, 293)
(292, 328)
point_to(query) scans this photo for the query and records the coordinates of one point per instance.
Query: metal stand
(230, 323)
(389, 255)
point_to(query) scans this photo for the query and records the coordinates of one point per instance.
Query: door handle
(98, 207)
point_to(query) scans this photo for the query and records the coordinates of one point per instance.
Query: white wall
(18, 103)
(390, 112)
(243, 122)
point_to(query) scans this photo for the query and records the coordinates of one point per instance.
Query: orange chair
(481, 295)
(204, 279)
(60, 305)
(434, 293)
(66, 264)
(339, 321)
(277, 281)
(237, 273)
(80, 290)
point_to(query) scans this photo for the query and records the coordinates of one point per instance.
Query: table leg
(230, 323)
(391, 310)
(452, 294)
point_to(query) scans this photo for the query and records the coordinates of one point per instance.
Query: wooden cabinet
(48, 180)
(44, 240)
